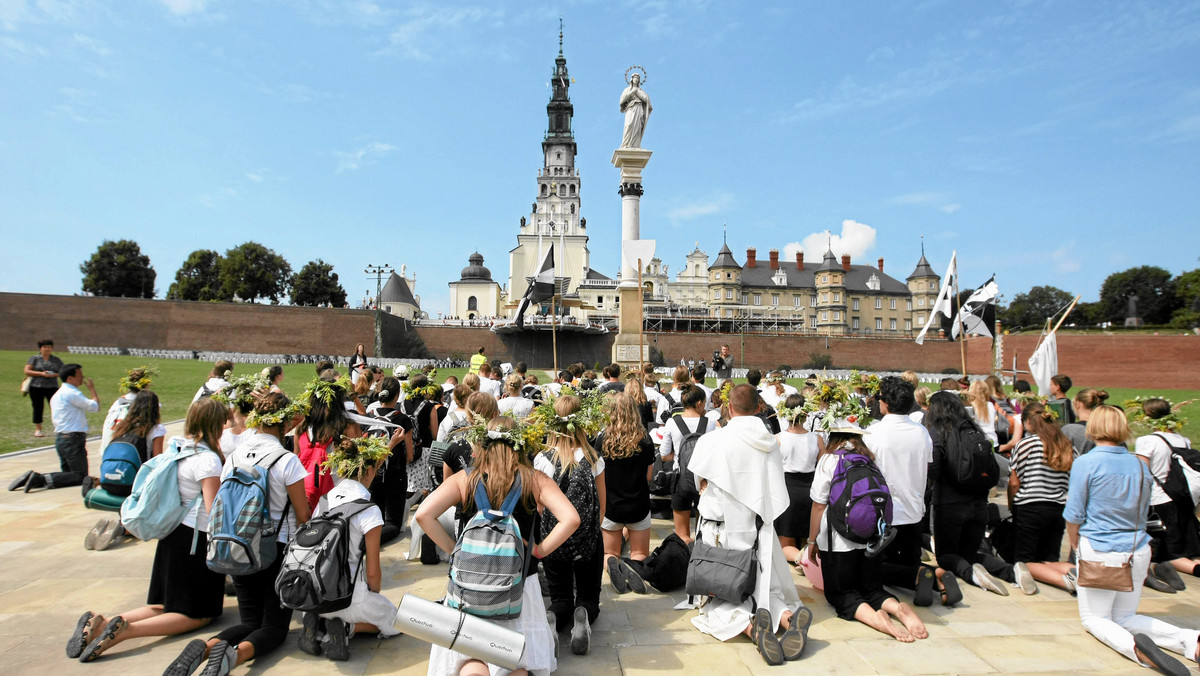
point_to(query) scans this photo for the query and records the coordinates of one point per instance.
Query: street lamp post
(378, 271)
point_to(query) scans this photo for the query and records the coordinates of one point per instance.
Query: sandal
(951, 594)
(105, 640)
(79, 638)
(924, 594)
(795, 638)
(764, 639)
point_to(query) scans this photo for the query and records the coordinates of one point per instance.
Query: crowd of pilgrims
(596, 454)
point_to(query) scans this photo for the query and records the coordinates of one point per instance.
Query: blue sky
(1048, 142)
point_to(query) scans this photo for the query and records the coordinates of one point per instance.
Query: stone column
(630, 162)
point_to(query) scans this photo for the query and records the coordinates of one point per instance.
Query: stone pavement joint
(47, 580)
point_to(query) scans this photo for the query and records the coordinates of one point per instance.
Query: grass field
(178, 381)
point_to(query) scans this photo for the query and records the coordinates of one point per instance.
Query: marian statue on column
(635, 103)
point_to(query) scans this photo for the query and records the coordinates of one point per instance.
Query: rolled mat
(455, 630)
(98, 498)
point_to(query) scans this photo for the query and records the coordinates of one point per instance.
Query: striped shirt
(1039, 483)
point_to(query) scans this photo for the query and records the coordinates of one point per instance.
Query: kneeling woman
(1037, 489)
(500, 460)
(853, 582)
(184, 594)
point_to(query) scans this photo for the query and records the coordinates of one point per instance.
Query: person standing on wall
(68, 411)
(722, 362)
(42, 370)
(478, 359)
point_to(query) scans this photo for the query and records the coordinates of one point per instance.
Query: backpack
(1183, 479)
(438, 450)
(487, 566)
(970, 463)
(1004, 418)
(580, 488)
(241, 535)
(666, 567)
(684, 483)
(860, 503)
(315, 575)
(153, 509)
(418, 437)
(317, 482)
(673, 408)
(120, 462)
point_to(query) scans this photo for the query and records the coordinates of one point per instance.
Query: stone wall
(1169, 362)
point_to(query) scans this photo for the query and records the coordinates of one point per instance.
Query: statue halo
(643, 75)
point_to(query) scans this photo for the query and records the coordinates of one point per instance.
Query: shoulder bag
(726, 574)
(1102, 575)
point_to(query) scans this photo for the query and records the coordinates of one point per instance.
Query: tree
(1187, 297)
(118, 269)
(1155, 292)
(317, 284)
(199, 278)
(251, 271)
(1032, 308)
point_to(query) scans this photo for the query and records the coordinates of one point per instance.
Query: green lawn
(178, 381)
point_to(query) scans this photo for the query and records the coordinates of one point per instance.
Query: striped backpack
(241, 533)
(487, 566)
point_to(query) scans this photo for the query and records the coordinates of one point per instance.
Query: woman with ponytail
(1037, 495)
(1086, 400)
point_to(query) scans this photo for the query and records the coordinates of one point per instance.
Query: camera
(716, 356)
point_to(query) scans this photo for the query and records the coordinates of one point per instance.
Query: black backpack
(666, 567)
(1177, 486)
(580, 488)
(970, 463)
(685, 485)
(673, 408)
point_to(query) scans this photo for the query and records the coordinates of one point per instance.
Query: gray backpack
(315, 575)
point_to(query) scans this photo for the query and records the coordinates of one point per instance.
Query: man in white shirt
(68, 410)
(903, 451)
(216, 380)
(488, 382)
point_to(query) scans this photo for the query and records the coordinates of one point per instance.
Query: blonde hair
(482, 405)
(1108, 423)
(1090, 398)
(625, 430)
(514, 383)
(205, 419)
(981, 400)
(996, 386)
(471, 380)
(566, 442)
(634, 389)
(921, 394)
(911, 378)
(497, 464)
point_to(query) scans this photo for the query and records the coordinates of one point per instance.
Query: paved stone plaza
(47, 579)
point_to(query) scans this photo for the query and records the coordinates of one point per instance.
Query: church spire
(559, 110)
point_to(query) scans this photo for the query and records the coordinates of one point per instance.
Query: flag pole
(554, 326)
(962, 334)
(1064, 317)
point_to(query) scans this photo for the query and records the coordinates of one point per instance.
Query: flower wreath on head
(1171, 422)
(726, 388)
(242, 390)
(589, 419)
(851, 411)
(828, 392)
(275, 418)
(351, 459)
(325, 390)
(428, 392)
(782, 412)
(528, 437)
(868, 383)
(126, 384)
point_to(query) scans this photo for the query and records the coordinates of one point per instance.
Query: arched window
(562, 191)
(472, 303)
(572, 190)
(544, 190)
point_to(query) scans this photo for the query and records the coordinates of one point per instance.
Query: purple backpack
(860, 504)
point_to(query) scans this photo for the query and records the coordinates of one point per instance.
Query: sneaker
(337, 640)
(984, 580)
(1155, 655)
(221, 660)
(616, 576)
(113, 532)
(552, 619)
(89, 540)
(19, 483)
(1024, 578)
(1167, 573)
(796, 637)
(89, 482)
(881, 543)
(189, 660)
(581, 633)
(636, 584)
(35, 481)
(764, 639)
(310, 636)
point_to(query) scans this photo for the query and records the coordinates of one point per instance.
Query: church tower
(555, 216)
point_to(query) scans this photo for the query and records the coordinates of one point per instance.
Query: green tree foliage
(251, 271)
(118, 269)
(1032, 308)
(317, 284)
(199, 278)
(1154, 288)
(1187, 296)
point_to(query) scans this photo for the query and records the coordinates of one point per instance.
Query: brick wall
(1139, 360)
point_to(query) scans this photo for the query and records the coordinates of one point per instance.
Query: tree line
(1162, 300)
(248, 272)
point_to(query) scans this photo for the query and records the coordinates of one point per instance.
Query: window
(545, 190)
(558, 156)
(920, 302)
(856, 304)
(893, 303)
(716, 294)
(824, 316)
(908, 325)
(837, 297)
(855, 323)
(908, 305)
(892, 325)
(572, 195)
(878, 303)
(729, 313)
(775, 300)
(728, 294)
(824, 298)
(933, 286)
(728, 275)
(812, 300)
(472, 303)
(824, 279)
(796, 301)
(878, 324)
(837, 316)
(873, 282)
(757, 299)
(745, 298)
(921, 319)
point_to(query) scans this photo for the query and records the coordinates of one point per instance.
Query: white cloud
(185, 7)
(704, 207)
(256, 176)
(949, 208)
(97, 47)
(1065, 259)
(361, 157)
(14, 47)
(415, 37)
(936, 200)
(856, 239)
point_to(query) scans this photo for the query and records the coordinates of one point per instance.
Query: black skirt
(793, 523)
(180, 581)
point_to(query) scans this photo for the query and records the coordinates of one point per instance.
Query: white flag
(942, 305)
(970, 315)
(1043, 364)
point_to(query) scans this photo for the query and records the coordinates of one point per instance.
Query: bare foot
(901, 633)
(911, 622)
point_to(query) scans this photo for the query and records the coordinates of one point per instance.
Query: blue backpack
(119, 464)
(860, 503)
(241, 534)
(487, 566)
(153, 509)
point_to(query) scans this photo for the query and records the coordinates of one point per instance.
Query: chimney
(846, 262)
(800, 261)
(750, 262)
(774, 259)
(881, 265)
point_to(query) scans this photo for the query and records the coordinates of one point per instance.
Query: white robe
(744, 470)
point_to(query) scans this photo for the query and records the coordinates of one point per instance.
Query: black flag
(541, 288)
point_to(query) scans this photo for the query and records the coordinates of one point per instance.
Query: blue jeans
(72, 457)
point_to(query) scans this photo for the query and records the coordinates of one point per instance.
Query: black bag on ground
(666, 567)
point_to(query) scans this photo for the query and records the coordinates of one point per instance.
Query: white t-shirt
(656, 398)
(453, 418)
(771, 397)
(214, 385)
(230, 441)
(545, 465)
(155, 432)
(192, 470)
(820, 495)
(903, 451)
(518, 405)
(799, 451)
(917, 416)
(714, 418)
(1150, 446)
(988, 426)
(672, 437)
(286, 471)
(349, 490)
(708, 406)
(492, 387)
